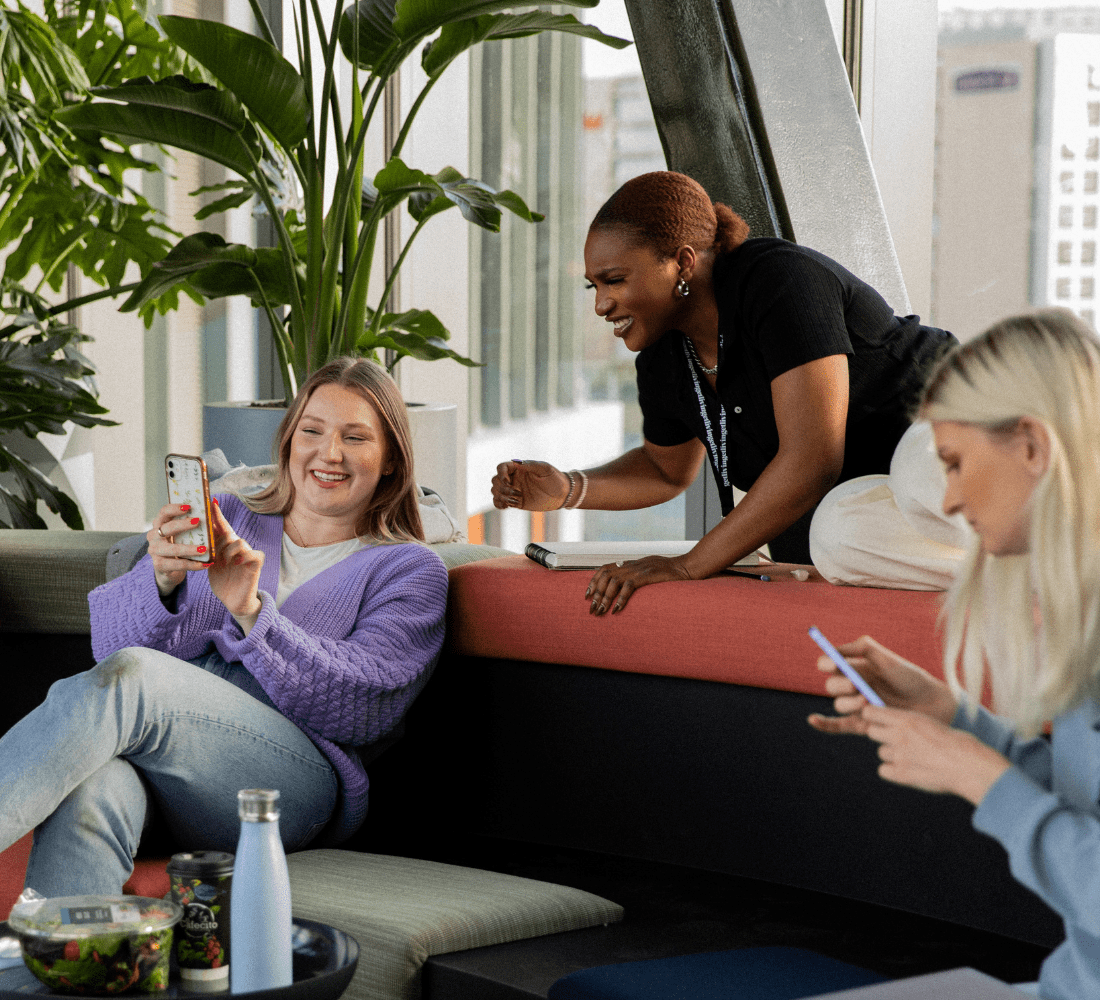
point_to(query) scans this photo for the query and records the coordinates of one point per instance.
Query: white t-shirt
(299, 563)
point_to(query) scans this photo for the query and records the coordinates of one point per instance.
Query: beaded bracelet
(584, 489)
(569, 495)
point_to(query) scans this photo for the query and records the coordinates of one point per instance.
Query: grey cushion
(126, 553)
(45, 577)
(403, 910)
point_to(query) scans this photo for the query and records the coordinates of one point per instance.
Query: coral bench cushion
(728, 629)
(149, 878)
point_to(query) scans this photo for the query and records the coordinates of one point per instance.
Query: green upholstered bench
(403, 910)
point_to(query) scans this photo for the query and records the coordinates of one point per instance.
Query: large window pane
(1017, 140)
(562, 123)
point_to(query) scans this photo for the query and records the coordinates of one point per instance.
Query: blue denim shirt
(1045, 811)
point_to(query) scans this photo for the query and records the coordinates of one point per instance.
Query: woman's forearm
(786, 489)
(636, 479)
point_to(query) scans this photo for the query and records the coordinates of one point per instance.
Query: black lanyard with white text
(719, 458)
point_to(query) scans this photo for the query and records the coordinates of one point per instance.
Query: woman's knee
(838, 528)
(134, 666)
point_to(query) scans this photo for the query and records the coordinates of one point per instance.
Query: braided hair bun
(665, 210)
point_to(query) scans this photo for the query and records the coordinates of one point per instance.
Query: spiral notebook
(592, 555)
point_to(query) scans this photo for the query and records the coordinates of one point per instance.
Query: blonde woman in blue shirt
(1016, 417)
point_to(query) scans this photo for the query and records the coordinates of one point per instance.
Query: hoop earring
(683, 289)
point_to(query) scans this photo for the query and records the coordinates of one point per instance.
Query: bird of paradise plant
(285, 139)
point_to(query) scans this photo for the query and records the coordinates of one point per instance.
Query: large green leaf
(389, 30)
(478, 202)
(185, 130)
(458, 36)
(377, 40)
(232, 277)
(418, 18)
(417, 333)
(180, 94)
(189, 256)
(255, 71)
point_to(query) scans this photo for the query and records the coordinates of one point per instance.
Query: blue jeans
(142, 729)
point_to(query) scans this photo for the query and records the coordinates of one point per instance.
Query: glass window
(1006, 195)
(563, 123)
(1088, 252)
(1088, 288)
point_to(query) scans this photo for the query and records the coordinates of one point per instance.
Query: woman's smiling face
(635, 288)
(338, 453)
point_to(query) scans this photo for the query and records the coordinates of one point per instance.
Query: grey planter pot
(245, 433)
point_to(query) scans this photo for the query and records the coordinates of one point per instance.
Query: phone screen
(845, 667)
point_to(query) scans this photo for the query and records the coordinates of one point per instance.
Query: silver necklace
(697, 360)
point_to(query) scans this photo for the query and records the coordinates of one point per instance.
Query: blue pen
(846, 668)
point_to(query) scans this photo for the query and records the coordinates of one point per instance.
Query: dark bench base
(677, 911)
(702, 775)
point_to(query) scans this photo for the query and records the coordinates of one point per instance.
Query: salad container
(97, 945)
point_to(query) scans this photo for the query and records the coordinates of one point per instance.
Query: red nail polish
(194, 520)
(185, 507)
(201, 549)
(214, 501)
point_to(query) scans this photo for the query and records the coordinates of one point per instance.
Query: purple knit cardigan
(343, 658)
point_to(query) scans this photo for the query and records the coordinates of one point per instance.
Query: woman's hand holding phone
(171, 560)
(901, 684)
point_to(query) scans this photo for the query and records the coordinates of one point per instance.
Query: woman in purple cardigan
(306, 639)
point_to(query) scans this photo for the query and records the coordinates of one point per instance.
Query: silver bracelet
(584, 489)
(569, 495)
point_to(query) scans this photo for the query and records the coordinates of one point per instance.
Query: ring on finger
(159, 532)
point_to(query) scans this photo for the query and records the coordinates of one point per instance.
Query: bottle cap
(195, 864)
(258, 805)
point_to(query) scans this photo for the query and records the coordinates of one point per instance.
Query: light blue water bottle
(260, 897)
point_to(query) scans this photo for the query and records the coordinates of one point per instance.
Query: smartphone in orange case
(188, 484)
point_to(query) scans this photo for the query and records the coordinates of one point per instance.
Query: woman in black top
(773, 361)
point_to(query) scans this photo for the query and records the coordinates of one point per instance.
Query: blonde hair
(1032, 619)
(392, 513)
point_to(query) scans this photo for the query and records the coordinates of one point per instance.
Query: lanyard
(720, 460)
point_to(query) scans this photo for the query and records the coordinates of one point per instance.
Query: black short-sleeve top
(781, 305)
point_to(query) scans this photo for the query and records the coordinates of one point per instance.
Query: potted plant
(65, 205)
(269, 124)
